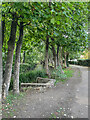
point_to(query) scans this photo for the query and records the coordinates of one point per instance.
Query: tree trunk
(24, 57)
(61, 57)
(46, 56)
(3, 36)
(20, 58)
(17, 61)
(46, 51)
(8, 67)
(3, 30)
(0, 69)
(54, 56)
(51, 61)
(65, 61)
(58, 62)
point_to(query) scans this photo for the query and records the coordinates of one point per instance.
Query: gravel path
(63, 100)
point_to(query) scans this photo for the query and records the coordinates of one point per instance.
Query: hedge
(81, 62)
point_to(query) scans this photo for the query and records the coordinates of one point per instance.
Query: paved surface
(0, 105)
(70, 99)
(80, 106)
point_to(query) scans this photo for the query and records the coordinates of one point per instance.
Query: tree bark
(24, 57)
(20, 58)
(65, 61)
(54, 56)
(46, 50)
(0, 68)
(61, 57)
(3, 29)
(8, 67)
(46, 56)
(17, 61)
(58, 61)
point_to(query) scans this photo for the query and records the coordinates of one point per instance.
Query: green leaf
(58, 22)
(52, 20)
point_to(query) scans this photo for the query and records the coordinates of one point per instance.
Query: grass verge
(68, 72)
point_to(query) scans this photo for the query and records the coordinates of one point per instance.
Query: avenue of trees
(48, 32)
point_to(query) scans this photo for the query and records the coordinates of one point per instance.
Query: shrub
(24, 67)
(73, 62)
(84, 62)
(68, 72)
(58, 75)
(81, 62)
(29, 77)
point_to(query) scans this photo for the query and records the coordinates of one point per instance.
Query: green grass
(53, 115)
(68, 72)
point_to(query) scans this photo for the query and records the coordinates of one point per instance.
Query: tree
(3, 29)
(11, 44)
(23, 22)
(0, 66)
(17, 61)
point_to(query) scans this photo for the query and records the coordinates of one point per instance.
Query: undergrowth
(62, 77)
(29, 77)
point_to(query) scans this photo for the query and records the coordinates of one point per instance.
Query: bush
(73, 62)
(81, 62)
(29, 77)
(58, 75)
(68, 72)
(24, 67)
(84, 62)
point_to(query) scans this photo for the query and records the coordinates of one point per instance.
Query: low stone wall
(43, 82)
